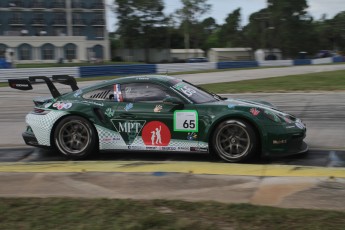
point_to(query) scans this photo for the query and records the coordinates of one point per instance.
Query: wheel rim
(232, 141)
(74, 137)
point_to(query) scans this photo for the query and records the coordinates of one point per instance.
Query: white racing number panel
(186, 121)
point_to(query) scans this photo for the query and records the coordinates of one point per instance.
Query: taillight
(39, 111)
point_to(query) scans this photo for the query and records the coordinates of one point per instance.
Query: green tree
(209, 34)
(284, 25)
(230, 31)
(287, 26)
(140, 24)
(200, 32)
(338, 32)
(189, 15)
(331, 33)
(255, 32)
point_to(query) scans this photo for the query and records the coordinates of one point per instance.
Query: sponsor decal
(153, 148)
(158, 109)
(128, 129)
(136, 147)
(231, 106)
(143, 78)
(186, 121)
(78, 92)
(156, 133)
(290, 127)
(169, 148)
(279, 142)
(254, 111)
(129, 106)
(20, 85)
(300, 125)
(198, 149)
(184, 89)
(117, 93)
(110, 139)
(183, 149)
(92, 102)
(109, 112)
(192, 136)
(61, 105)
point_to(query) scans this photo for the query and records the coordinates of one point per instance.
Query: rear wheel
(235, 141)
(75, 137)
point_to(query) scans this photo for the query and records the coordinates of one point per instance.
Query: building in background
(157, 55)
(230, 54)
(268, 54)
(45, 31)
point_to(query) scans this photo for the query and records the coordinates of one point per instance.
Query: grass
(66, 213)
(323, 81)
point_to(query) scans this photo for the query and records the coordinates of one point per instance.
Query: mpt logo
(128, 129)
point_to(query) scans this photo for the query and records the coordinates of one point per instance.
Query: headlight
(272, 116)
(279, 118)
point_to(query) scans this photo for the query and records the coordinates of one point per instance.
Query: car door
(103, 105)
(146, 121)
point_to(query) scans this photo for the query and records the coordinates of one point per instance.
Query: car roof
(163, 79)
(153, 78)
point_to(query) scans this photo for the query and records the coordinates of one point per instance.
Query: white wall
(322, 61)
(138, 55)
(182, 67)
(59, 42)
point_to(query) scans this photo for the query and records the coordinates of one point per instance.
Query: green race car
(157, 113)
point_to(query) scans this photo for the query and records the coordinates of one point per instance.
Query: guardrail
(137, 69)
(237, 64)
(27, 72)
(185, 67)
(115, 70)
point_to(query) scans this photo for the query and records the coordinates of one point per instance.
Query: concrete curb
(200, 168)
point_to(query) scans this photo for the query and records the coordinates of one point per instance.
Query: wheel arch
(254, 125)
(52, 143)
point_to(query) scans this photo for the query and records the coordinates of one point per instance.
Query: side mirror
(178, 103)
(172, 101)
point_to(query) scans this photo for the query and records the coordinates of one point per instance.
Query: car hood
(233, 103)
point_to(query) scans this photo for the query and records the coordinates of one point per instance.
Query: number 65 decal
(186, 121)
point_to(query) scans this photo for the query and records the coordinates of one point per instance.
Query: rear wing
(26, 84)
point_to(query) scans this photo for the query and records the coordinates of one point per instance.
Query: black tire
(235, 141)
(75, 137)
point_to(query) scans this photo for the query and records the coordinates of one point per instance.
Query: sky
(221, 9)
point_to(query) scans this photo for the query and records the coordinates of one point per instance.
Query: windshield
(193, 93)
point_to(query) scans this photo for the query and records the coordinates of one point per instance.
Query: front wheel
(75, 137)
(235, 141)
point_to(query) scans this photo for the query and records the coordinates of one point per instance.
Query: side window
(145, 92)
(104, 93)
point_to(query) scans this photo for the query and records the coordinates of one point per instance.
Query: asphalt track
(315, 180)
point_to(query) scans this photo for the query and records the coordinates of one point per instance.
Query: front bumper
(285, 142)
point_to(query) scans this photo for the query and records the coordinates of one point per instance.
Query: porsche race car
(157, 113)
